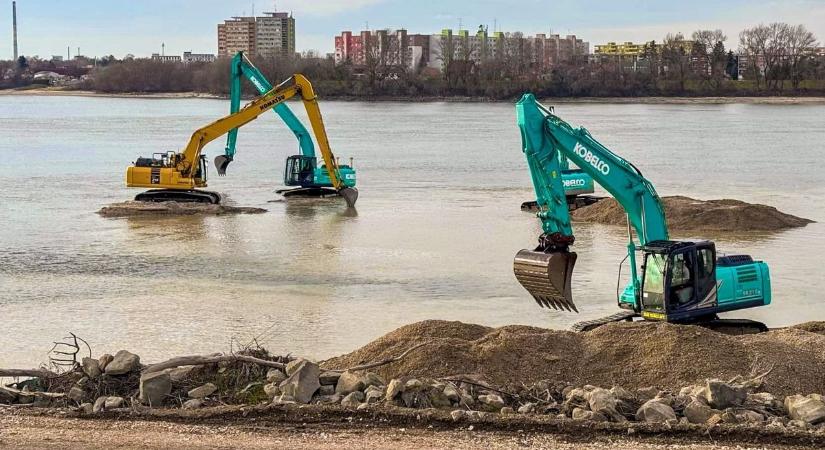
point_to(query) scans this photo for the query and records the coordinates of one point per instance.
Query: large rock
(275, 376)
(353, 399)
(114, 403)
(698, 412)
(437, 398)
(808, 409)
(349, 382)
(77, 394)
(302, 381)
(583, 414)
(373, 379)
(202, 391)
(100, 404)
(272, 390)
(373, 394)
(721, 395)
(123, 363)
(395, 388)
(329, 378)
(604, 402)
(91, 367)
(103, 361)
(491, 402)
(655, 411)
(183, 373)
(194, 403)
(154, 387)
(452, 393)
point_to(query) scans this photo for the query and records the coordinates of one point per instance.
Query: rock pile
(688, 214)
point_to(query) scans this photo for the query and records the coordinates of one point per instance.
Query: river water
(435, 231)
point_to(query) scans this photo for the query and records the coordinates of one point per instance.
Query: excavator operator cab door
(679, 282)
(202, 171)
(300, 171)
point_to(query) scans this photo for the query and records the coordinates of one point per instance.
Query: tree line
(774, 59)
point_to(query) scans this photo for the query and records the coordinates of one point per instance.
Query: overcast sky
(118, 27)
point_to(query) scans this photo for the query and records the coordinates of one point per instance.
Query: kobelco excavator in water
(178, 175)
(302, 170)
(678, 281)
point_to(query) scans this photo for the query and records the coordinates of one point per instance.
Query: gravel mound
(684, 213)
(134, 208)
(631, 355)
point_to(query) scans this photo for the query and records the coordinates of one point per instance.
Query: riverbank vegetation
(770, 60)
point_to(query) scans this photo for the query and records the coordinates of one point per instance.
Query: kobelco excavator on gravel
(177, 175)
(301, 170)
(678, 281)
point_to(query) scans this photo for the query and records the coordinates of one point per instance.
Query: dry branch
(39, 373)
(383, 362)
(35, 393)
(199, 360)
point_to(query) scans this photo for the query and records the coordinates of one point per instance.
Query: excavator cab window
(203, 168)
(299, 171)
(682, 284)
(653, 283)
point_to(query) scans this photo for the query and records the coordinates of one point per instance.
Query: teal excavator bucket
(546, 275)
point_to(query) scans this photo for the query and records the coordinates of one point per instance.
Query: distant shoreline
(778, 100)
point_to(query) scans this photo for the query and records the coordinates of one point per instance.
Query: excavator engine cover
(221, 163)
(546, 276)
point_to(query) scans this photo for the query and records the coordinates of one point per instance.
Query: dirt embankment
(688, 214)
(138, 209)
(631, 355)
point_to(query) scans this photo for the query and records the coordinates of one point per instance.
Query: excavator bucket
(350, 195)
(221, 163)
(546, 276)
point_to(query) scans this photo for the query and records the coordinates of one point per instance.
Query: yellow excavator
(178, 176)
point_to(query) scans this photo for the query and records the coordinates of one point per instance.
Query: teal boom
(241, 67)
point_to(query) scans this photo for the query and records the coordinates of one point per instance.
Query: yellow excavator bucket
(546, 276)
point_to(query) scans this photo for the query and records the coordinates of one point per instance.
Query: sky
(120, 27)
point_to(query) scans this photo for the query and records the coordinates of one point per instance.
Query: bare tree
(709, 51)
(799, 46)
(676, 58)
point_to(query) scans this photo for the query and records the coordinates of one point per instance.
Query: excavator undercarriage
(735, 327)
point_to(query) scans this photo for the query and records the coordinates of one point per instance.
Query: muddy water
(436, 227)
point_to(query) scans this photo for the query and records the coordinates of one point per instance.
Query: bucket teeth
(546, 276)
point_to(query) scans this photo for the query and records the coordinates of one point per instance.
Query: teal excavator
(678, 281)
(301, 170)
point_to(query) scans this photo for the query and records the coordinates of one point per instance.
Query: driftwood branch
(199, 360)
(39, 373)
(383, 362)
(34, 393)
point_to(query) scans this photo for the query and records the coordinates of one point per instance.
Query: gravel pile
(688, 214)
(631, 355)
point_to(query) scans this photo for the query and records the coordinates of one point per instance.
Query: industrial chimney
(14, 26)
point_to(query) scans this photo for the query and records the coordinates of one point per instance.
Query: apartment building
(270, 35)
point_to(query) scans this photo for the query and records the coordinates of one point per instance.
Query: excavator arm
(242, 67)
(546, 138)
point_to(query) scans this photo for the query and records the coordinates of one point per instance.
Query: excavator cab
(300, 170)
(678, 279)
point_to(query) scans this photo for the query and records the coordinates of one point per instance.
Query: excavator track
(734, 327)
(179, 195)
(588, 325)
(308, 192)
